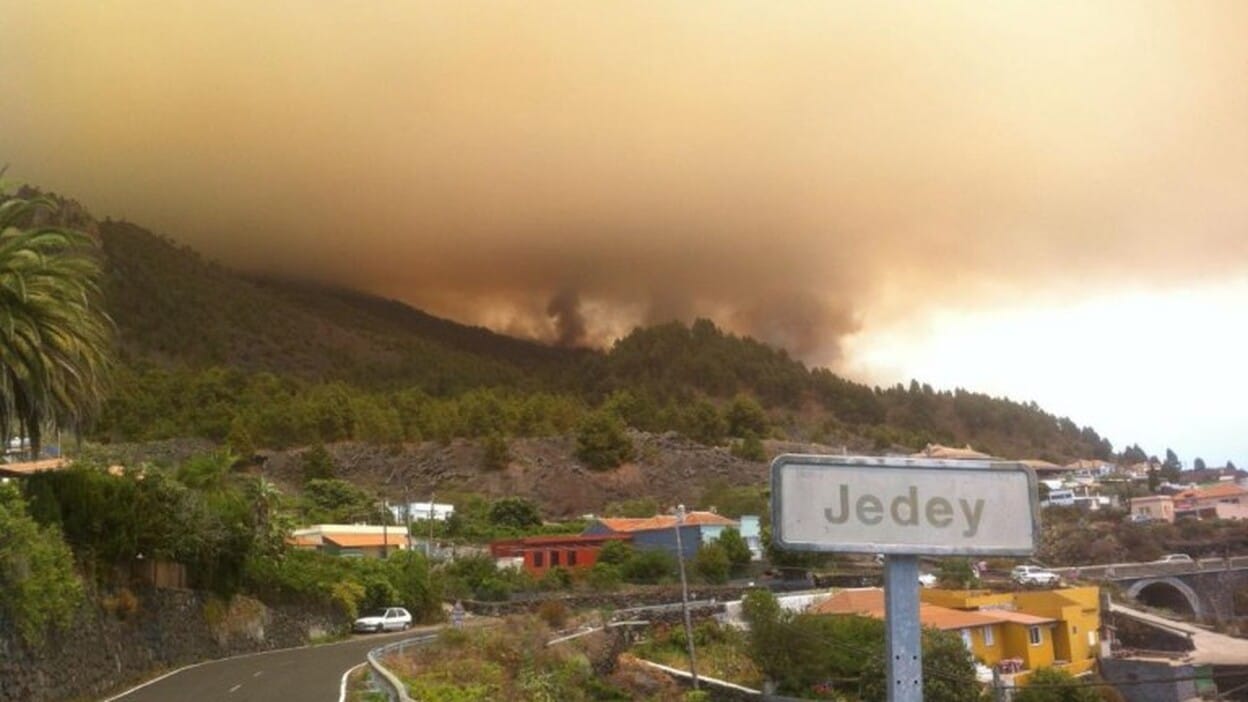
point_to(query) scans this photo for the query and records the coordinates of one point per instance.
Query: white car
(927, 580)
(1175, 558)
(389, 619)
(1034, 575)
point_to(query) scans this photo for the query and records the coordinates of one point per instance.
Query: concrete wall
(1116, 670)
(104, 651)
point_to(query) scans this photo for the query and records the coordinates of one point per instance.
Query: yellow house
(1015, 632)
(1058, 628)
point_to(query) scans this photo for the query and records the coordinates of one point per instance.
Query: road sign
(903, 506)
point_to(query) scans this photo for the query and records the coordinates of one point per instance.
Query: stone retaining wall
(104, 650)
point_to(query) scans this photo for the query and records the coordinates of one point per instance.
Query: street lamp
(684, 594)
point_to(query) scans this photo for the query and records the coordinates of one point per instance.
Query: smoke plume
(567, 170)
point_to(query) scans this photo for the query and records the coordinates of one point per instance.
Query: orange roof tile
(665, 521)
(32, 467)
(856, 601)
(870, 602)
(1017, 617)
(1216, 491)
(939, 451)
(366, 540)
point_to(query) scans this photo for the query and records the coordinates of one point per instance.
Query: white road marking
(258, 673)
(233, 689)
(342, 689)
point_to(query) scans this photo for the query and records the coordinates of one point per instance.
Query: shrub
(38, 586)
(1054, 685)
(554, 613)
(605, 577)
(495, 454)
(749, 448)
(711, 562)
(602, 442)
(347, 595)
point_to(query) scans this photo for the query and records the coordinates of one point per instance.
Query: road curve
(308, 674)
(1212, 648)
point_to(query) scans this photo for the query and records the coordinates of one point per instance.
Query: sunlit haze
(1044, 200)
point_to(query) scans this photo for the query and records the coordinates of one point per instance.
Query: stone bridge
(1204, 589)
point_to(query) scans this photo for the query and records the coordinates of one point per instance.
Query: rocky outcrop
(109, 646)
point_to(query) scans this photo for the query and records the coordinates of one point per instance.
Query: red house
(541, 553)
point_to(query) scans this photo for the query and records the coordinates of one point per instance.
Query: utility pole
(385, 533)
(684, 595)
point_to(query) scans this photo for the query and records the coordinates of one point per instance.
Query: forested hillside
(268, 363)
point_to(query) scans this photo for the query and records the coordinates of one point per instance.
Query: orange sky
(872, 185)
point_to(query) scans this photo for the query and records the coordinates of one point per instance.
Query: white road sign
(903, 506)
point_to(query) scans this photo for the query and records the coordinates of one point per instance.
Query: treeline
(210, 352)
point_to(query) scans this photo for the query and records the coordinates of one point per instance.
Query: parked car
(1034, 575)
(1175, 558)
(927, 580)
(389, 619)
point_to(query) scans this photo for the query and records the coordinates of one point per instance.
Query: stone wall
(622, 600)
(111, 646)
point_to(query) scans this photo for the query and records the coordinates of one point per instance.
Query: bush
(605, 577)
(649, 567)
(38, 586)
(712, 564)
(554, 613)
(749, 448)
(495, 454)
(1054, 685)
(602, 442)
(738, 551)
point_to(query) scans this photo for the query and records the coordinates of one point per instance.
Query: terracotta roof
(853, 601)
(1088, 463)
(32, 467)
(1016, 617)
(870, 602)
(1214, 491)
(304, 540)
(1037, 464)
(665, 521)
(366, 540)
(939, 451)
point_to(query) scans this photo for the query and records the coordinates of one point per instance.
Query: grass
(513, 662)
(720, 650)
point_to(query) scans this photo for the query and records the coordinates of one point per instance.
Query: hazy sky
(1045, 200)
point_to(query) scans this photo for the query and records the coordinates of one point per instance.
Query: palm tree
(55, 338)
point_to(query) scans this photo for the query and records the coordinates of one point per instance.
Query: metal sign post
(903, 508)
(903, 641)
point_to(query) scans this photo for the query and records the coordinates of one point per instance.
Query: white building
(416, 511)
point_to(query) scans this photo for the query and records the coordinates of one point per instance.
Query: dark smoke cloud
(565, 310)
(566, 170)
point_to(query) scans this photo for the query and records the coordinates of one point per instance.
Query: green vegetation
(55, 339)
(1054, 685)
(601, 441)
(513, 662)
(1070, 536)
(722, 652)
(267, 364)
(38, 586)
(829, 656)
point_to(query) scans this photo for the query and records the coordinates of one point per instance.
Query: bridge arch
(1169, 593)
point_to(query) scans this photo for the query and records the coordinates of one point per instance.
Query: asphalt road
(310, 674)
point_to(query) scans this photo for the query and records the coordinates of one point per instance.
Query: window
(1033, 635)
(571, 558)
(966, 638)
(554, 559)
(988, 640)
(539, 559)
(1091, 638)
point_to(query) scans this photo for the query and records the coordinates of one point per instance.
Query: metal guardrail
(396, 689)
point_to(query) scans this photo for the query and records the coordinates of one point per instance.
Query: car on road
(1034, 575)
(389, 619)
(1175, 558)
